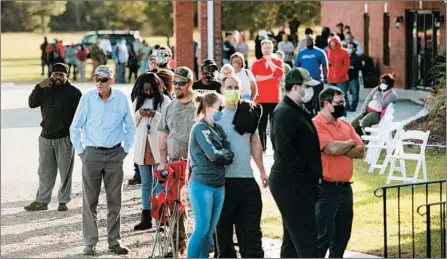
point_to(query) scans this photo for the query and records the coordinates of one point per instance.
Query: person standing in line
(106, 120)
(144, 56)
(296, 171)
(210, 152)
(243, 203)
(339, 64)
(287, 68)
(149, 104)
(268, 72)
(322, 40)
(106, 47)
(227, 48)
(167, 77)
(174, 130)
(287, 47)
(97, 56)
(340, 32)
(356, 65)
(43, 56)
(249, 88)
(314, 60)
(121, 57)
(163, 58)
(242, 47)
(303, 43)
(208, 80)
(58, 100)
(81, 56)
(339, 145)
(71, 60)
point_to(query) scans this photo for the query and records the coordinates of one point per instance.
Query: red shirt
(269, 91)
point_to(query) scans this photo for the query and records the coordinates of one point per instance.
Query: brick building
(183, 32)
(411, 48)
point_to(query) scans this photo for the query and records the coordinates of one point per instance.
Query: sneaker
(62, 207)
(134, 181)
(119, 250)
(36, 206)
(89, 250)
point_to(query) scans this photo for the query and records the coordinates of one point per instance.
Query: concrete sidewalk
(272, 249)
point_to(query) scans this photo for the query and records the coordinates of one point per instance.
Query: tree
(159, 15)
(40, 14)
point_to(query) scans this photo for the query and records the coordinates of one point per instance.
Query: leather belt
(337, 183)
(105, 148)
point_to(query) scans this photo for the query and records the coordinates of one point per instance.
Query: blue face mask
(218, 116)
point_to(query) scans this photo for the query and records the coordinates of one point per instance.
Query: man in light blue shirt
(106, 120)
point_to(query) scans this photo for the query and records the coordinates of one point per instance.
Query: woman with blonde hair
(209, 153)
(248, 82)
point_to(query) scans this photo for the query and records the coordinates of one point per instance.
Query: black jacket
(356, 62)
(295, 142)
(246, 119)
(58, 105)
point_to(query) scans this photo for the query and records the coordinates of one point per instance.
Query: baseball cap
(209, 62)
(184, 73)
(104, 71)
(300, 75)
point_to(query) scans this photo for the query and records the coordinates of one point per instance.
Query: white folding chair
(387, 141)
(388, 116)
(399, 153)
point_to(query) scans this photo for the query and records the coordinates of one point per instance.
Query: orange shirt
(269, 91)
(335, 168)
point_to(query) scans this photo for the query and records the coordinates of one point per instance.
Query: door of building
(421, 46)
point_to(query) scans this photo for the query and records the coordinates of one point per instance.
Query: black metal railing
(428, 220)
(386, 191)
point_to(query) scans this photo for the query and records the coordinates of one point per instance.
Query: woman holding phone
(148, 104)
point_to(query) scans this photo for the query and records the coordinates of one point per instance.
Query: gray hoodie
(383, 98)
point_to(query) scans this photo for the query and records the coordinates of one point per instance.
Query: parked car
(91, 37)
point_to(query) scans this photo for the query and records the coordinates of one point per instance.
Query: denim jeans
(344, 88)
(206, 203)
(120, 71)
(354, 87)
(148, 183)
(334, 211)
(143, 66)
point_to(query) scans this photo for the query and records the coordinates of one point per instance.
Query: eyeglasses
(102, 80)
(179, 84)
(209, 69)
(220, 108)
(338, 103)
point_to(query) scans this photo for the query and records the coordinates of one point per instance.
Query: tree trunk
(42, 24)
(168, 42)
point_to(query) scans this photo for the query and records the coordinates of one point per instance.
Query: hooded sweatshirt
(339, 62)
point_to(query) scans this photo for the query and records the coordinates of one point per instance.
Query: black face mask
(150, 96)
(311, 46)
(338, 111)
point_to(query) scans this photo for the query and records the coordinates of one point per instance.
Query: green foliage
(40, 14)
(159, 15)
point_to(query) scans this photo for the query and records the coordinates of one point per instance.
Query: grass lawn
(20, 53)
(367, 230)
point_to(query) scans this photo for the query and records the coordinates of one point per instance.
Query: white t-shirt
(245, 81)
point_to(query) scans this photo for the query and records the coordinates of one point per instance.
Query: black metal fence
(403, 194)
(428, 219)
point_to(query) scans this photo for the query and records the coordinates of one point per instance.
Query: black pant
(74, 71)
(334, 213)
(267, 111)
(296, 200)
(137, 171)
(313, 106)
(242, 209)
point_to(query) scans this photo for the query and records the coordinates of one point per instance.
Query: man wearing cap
(58, 100)
(106, 120)
(208, 80)
(174, 129)
(164, 56)
(296, 172)
(339, 145)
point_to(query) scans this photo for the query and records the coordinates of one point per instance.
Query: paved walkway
(58, 234)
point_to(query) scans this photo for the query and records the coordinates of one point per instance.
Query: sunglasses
(102, 80)
(179, 83)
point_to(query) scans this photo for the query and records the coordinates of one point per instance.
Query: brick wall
(203, 29)
(183, 32)
(353, 16)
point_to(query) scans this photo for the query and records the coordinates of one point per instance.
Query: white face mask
(383, 86)
(308, 94)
